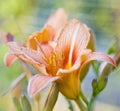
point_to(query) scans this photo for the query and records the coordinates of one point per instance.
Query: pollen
(53, 64)
(53, 60)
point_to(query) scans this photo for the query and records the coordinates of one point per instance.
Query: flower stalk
(81, 104)
(83, 97)
(51, 98)
(91, 103)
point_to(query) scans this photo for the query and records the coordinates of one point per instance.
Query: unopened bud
(98, 86)
(92, 41)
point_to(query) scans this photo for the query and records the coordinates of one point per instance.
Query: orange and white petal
(9, 59)
(73, 38)
(82, 39)
(69, 84)
(53, 25)
(29, 54)
(43, 36)
(46, 49)
(39, 82)
(74, 67)
(98, 56)
(58, 19)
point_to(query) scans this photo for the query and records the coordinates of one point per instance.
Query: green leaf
(25, 104)
(112, 49)
(17, 104)
(14, 83)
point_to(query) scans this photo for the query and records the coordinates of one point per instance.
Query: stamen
(53, 64)
(40, 47)
(53, 60)
(36, 40)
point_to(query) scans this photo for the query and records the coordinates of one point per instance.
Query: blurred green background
(23, 17)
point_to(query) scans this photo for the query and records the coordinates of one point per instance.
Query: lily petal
(9, 59)
(53, 25)
(14, 83)
(98, 56)
(39, 82)
(73, 38)
(44, 36)
(32, 57)
(20, 51)
(58, 19)
(67, 71)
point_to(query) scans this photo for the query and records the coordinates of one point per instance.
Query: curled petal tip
(39, 82)
(114, 63)
(99, 56)
(9, 59)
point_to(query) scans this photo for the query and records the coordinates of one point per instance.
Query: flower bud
(92, 42)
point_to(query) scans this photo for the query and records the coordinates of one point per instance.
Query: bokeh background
(23, 17)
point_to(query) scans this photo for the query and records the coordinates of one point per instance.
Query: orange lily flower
(53, 25)
(61, 60)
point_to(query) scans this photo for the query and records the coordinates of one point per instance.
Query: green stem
(95, 67)
(80, 104)
(90, 105)
(83, 97)
(52, 98)
(70, 105)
